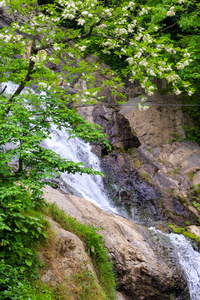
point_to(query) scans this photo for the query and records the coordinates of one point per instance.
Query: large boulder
(141, 272)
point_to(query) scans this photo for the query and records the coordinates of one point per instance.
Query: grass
(94, 246)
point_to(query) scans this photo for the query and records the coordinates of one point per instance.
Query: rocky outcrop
(153, 126)
(67, 255)
(155, 184)
(141, 272)
(115, 125)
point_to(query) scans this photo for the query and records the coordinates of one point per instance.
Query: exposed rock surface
(153, 126)
(156, 184)
(115, 125)
(68, 255)
(142, 273)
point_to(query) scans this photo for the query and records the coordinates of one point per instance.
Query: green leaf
(28, 262)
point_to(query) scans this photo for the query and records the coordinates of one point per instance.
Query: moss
(137, 164)
(185, 232)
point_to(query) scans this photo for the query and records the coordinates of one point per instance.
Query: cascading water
(180, 248)
(91, 188)
(86, 186)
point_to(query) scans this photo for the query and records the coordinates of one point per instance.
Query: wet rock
(141, 272)
(115, 125)
(142, 187)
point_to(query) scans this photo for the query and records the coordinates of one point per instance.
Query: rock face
(142, 274)
(157, 184)
(68, 254)
(153, 126)
(115, 125)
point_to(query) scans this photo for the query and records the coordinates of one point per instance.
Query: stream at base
(91, 188)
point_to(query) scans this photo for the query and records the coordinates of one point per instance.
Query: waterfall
(91, 188)
(180, 249)
(86, 186)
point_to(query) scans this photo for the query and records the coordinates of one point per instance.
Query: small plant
(176, 137)
(176, 170)
(196, 205)
(192, 134)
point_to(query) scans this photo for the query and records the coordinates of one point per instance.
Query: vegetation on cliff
(42, 47)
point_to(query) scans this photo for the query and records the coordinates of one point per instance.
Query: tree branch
(28, 75)
(84, 36)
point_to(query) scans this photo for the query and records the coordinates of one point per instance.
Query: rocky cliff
(143, 271)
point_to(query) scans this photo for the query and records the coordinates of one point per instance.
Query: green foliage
(14, 286)
(192, 134)
(94, 245)
(175, 137)
(21, 229)
(196, 205)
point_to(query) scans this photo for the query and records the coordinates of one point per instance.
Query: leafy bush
(192, 134)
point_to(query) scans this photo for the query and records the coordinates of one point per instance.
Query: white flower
(43, 85)
(2, 3)
(143, 63)
(102, 26)
(147, 38)
(131, 4)
(181, 1)
(190, 93)
(187, 54)
(130, 60)
(143, 11)
(151, 72)
(84, 13)
(123, 50)
(82, 48)
(68, 16)
(56, 47)
(171, 12)
(156, 28)
(81, 22)
(70, 54)
(120, 31)
(7, 38)
(138, 55)
(142, 107)
(108, 12)
(154, 54)
(138, 37)
(177, 92)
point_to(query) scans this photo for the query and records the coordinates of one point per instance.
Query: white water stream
(91, 188)
(85, 186)
(180, 248)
